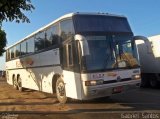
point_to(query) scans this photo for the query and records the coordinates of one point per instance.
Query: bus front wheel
(19, 82)
(60, 91)
(15, 83)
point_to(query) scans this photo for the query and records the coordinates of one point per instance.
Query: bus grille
(115, 81)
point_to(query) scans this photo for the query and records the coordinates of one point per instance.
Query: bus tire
(145, 83)
(15, 83)
(60, 91)
(19, 82)
(154, 83)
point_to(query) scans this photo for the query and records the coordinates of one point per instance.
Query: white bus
(80, 56)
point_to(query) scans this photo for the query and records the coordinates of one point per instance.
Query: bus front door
(71, 70)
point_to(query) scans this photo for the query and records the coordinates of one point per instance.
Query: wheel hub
(61, 89)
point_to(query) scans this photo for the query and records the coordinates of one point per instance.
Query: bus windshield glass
(110, 52)
(86, 24)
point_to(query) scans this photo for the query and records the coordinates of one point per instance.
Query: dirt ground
(32, 104)
(12, 100)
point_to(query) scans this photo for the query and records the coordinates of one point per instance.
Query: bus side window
(67, 56)
(64, 56)
(12, 53)
(48, 42)
(40, 41)
(23, 48)
(51, 36)
(70, 55)
(30, 45)
(8, 55)
(17, 52)
(67, 30)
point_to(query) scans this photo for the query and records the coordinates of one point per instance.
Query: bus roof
(63, 17)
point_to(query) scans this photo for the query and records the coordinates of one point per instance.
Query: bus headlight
(93, 82)
(137, 76)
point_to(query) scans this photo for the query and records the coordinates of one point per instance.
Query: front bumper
(104, 90)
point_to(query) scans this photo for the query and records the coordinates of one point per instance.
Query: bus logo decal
(113, 74)
(29, 61)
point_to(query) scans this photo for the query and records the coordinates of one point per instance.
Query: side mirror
(83, 43)
(145, 39)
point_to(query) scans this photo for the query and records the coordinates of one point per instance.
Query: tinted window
(67, 58)
(101, 53)
(17, 52)
(100, 23)
(64, 59)
(23, 48)
(52, 37)
(70, 55)
(8, 55)
(30, 45)
(67, 30)
(40, 41)
(12, 53)
(48, 41)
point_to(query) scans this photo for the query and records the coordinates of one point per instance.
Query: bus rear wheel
(60, 91)
(19, 82)
(15, 83)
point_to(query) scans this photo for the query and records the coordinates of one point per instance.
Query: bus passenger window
(30, 45)
(40, 41)
(51, 36)
(48, 42)
(23, 48)
(8, 55)
(12, 52)
(17, 52)
(67, 30)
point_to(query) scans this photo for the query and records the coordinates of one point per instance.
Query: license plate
(118, 89)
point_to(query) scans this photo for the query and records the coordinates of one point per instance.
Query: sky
(143, 16)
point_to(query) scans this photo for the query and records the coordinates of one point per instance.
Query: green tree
(3, 41)
(12, 10)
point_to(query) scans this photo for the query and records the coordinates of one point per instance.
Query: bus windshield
(110, 52)
(85, 24)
